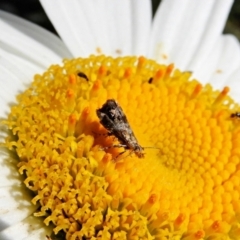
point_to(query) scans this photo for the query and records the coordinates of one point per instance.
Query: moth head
(100, 114)
(139, 151)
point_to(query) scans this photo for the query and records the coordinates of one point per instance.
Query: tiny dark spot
(48, 211)
(31, 184)
(98, 50)
(119, 51)
(150, 80)
(235, 115)
(82, 75)
(164, 56)
(218, 71)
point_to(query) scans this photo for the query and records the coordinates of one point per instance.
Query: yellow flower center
(185, 187)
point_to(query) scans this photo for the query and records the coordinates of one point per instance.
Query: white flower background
(187, 33)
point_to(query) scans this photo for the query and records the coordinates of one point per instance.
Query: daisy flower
(176, 77)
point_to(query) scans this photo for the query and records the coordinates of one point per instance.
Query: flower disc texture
(185, 187)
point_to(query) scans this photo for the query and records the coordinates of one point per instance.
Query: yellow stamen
(141, 62)
(72, 79)
(71, 124)
(222, 95)
(70, 95)
(185, 188)
(102, 71)
(197, 90)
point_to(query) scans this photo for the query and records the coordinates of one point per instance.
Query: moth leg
(119, 155)
(115, 146)
(120, 146)
(125, 149)
(129, 154)
(102, 134)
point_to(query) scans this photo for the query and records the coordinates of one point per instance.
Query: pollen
(185, 187)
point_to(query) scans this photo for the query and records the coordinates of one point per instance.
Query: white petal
(228, 62)
(20, 67)
(141, 20)
(234, 84)
(212, 31)
(92, 26)
(71, 24)
(120, 26)
(190, 31)
(29, 228)
(30, 42)
(9, 175)
(184, 32)
(15, 202)
(204, 73)
(166, 24)
(13, 79)
(8, 91)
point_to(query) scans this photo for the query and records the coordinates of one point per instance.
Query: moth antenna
(152, 147)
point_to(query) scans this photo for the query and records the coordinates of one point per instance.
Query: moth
(112, 117)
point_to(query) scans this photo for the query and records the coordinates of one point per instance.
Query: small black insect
(115, 121)
(235, 115)
(82, 75)
(150, 80)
